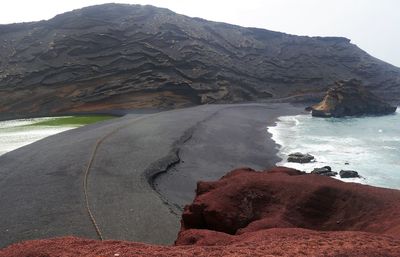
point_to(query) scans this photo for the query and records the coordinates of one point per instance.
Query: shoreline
(240, 140)
(17, 133)
(116, 113)
(124, 203)
(351, 151)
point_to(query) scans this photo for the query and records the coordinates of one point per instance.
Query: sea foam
(369, 145)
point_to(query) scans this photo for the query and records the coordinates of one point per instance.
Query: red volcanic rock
(273, 242)
(281, 212)
(246, 201)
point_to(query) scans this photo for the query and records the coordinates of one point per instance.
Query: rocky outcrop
(280, 212)
(300, 158)
(245, 201)
(130, 56)
(325, 171)
(350, 98)
(349, 174)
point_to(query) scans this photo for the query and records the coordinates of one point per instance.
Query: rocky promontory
(279, 212)
(246, 201)
(350, 98)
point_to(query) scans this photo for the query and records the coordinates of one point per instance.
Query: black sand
(41, 185)
(233, 137)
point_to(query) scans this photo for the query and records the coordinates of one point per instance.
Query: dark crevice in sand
(164, 165)
(237, 144)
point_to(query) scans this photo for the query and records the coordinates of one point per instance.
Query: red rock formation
(281, 212)
(247, 201)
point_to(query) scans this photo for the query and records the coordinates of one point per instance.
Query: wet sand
(41, 185)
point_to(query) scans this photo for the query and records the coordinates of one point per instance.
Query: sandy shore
(233, 137)
(41, 185)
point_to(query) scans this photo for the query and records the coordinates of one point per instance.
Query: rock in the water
(322, 170)
(325, 171)
(349, 174)
(300, 157)
(350, 98)
(329, 174)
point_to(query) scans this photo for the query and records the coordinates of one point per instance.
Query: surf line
(90, 164)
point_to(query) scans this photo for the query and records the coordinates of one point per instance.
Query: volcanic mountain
(118, 56)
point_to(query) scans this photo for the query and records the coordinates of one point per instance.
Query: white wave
(371, 145)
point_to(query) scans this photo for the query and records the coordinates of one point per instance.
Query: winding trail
(87, 171)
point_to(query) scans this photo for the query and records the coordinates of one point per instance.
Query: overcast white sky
(374, 25)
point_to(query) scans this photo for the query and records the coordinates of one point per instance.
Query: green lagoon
(17, 133)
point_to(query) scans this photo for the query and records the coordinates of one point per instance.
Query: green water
(17, 133)
(72, 120)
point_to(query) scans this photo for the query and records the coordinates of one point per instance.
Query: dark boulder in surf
(324, 171)
(300, 158)
(349, 174)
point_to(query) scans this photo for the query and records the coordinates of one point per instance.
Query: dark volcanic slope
(117, 56)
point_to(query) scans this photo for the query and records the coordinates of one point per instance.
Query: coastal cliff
(350, 98)
(280, 212)
(117, 56)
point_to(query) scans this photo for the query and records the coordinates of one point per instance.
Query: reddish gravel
(282, 212)
(274, 242)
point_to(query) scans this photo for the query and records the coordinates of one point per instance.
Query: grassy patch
(74, 120)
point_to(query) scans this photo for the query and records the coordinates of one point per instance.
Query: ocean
(369, 145)
(17, 133)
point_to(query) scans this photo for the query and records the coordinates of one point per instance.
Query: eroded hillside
(117, 56)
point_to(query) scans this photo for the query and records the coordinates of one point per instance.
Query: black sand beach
(41, 185)
(233, 137)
